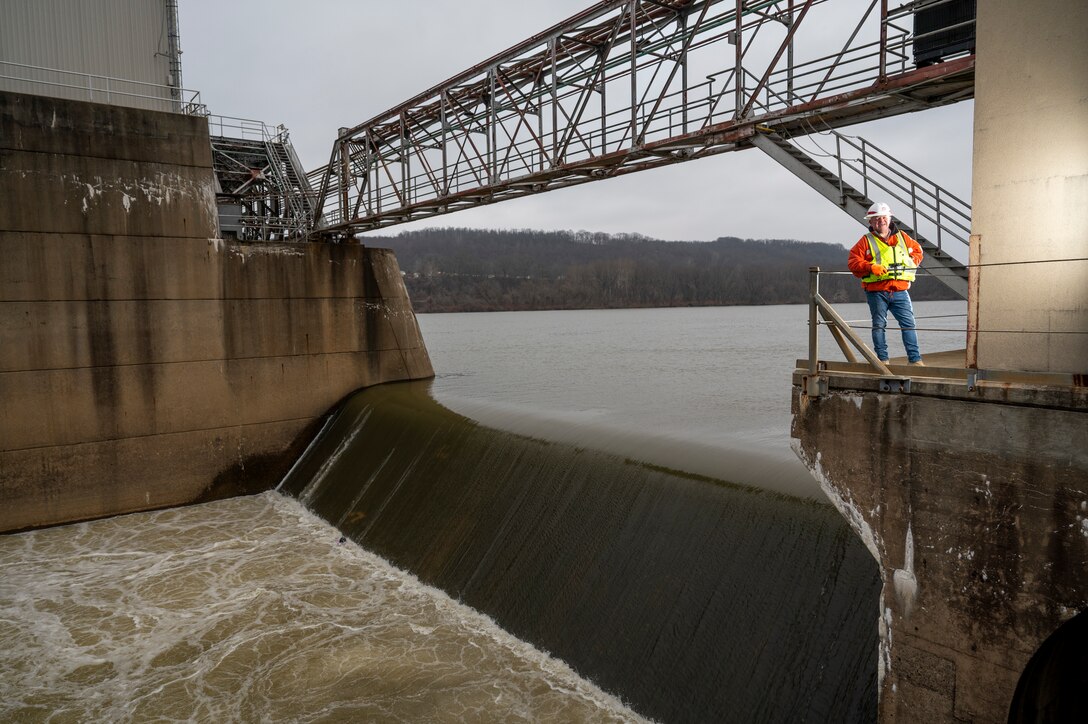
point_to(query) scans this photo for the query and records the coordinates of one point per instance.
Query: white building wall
(1030, 186)
(112, 51)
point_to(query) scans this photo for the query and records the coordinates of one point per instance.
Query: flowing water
(252, 609)
(613, 487)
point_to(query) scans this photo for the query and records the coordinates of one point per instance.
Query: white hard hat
(879, 209)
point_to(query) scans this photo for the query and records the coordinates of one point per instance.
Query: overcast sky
(320, 65)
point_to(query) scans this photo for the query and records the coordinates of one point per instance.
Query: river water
(615, 487)
(706, 390)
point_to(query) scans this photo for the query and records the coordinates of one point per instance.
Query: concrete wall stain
(976, 513)
(168, 365)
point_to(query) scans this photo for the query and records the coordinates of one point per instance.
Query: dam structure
(968, 479)
(173, 334)
(145, 361)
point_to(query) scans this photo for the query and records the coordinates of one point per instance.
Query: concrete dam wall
(144, 363)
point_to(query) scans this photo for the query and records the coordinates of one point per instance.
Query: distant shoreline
(483, 270)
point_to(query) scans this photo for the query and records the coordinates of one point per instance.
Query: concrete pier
(144, 362)
(975, 504)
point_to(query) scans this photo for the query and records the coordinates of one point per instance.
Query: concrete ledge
(62, 483)
(1008, 387)
(42, 124)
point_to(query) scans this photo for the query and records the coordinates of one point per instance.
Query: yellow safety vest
(896, 259)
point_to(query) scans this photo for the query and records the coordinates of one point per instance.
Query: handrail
(815, 379)
(106, 89)
(840, 330)
(294, 195)
(281, 207)
(246, 129)
(862, 165)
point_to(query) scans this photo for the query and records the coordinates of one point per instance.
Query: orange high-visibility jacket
(860, 262)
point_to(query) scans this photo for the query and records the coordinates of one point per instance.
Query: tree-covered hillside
(475, 270)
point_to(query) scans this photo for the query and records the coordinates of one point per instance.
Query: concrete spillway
(692, 599)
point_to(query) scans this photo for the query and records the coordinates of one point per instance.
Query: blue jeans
(898, 303)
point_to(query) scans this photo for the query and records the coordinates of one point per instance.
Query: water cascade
(692, 598)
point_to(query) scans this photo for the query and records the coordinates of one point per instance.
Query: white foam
(249, 609)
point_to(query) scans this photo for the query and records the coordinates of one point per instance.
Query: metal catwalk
(628, 85)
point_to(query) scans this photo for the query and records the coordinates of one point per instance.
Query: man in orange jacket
(886, 260)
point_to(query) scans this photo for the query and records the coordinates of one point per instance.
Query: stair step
(846, 192)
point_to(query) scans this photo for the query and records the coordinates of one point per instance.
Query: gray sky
(319, 65)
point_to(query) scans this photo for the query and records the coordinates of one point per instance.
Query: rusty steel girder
(624, 86)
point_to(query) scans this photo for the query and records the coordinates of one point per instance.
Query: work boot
(919, 363)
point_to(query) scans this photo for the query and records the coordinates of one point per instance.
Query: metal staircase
(263, 192)
(938, 218)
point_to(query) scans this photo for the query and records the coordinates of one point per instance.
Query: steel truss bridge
(628, 85)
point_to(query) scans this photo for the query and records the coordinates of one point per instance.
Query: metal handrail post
(882, 72)
(838, 160)
(739, 58)
(937, 194)
(813, 340)
(865, 169)
(914, 201)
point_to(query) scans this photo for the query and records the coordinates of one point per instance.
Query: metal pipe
(344, 178)
(173, 35)
(634, 73)
(445, 144)
(882, 73)
(738, 70)
(813, 339)
(555, 105)
(789, 57)
(684, 76)
(492, 136)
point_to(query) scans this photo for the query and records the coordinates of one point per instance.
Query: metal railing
(245, 129)
(822, 314)
(840, 329)
(934, 212)
(57, 83)
(265, 193)
(815, 381)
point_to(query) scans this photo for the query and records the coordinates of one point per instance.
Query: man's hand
(878, 270)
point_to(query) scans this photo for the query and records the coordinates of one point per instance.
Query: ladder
(944, 216)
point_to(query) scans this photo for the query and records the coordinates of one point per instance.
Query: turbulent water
(253, 610)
